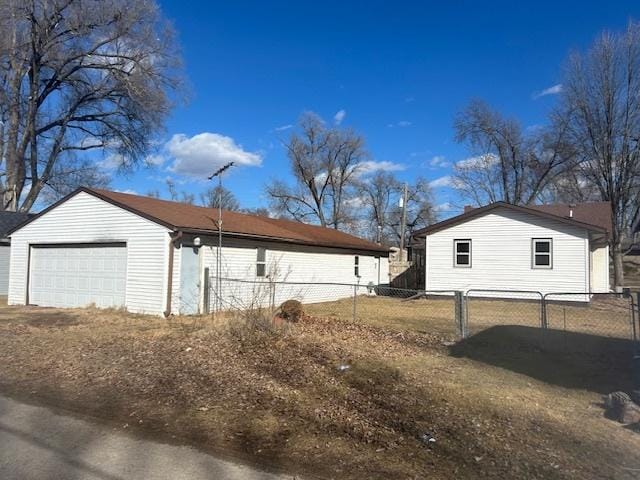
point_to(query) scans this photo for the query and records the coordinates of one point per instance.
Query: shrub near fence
(552, 318)
(378, 305)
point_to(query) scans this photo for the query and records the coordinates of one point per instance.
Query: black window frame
(356, 265)
(457, 242)
(535, 253)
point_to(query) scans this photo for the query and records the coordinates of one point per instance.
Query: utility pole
(403, 223)
(218, 173)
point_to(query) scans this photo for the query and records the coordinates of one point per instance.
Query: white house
(8, 221)
(544, 248)
(152, 256)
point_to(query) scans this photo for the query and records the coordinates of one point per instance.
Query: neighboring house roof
(594, 216)
(10, 220)
(202, 220)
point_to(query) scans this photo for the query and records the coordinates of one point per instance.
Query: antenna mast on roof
(218, 173)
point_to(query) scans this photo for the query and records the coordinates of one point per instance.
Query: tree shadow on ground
(567, 359)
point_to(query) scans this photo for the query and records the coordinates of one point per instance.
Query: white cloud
(339, 116)
(129, 191)
(370, 166)
(439, 161)
(400, 124)
(282, 128)
(201, 154)
(553, 90)
(444, 207)
(154, 160)
(478, 161)
(113, 161)
(441, 182)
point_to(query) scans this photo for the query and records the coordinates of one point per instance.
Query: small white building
(8, 221)
(153, 256)
(543, 248)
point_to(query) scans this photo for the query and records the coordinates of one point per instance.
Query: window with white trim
(261, 262)
(462, 253)
(541, 253)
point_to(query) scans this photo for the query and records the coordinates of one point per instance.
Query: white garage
(78, 275)
(147, 255)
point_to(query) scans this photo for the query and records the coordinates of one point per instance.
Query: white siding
(600, 268)
(501, 255)
(86, 219)
(291, 263)
(5, 252)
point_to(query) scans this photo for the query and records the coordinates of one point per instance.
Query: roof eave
(197, 231)
(482, 210)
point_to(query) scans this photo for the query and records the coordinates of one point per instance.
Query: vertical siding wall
(501, 255)
(290, 264)
(600, 269)
(5, 252)
(87, 219)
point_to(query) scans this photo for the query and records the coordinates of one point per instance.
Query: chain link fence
(488, 308)
(568, 321)
(377, 305)
(572, 321)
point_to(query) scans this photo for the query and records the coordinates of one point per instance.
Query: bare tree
(258, 211)
(420, 210)
(68, 175)
(324, 163)
(78, 76)
(220, 196)
(179, 196)
(601, 104)
(378, 194)
(511, 165)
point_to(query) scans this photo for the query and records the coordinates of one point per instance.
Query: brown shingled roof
(202, 220)
(593, 213)
(594, 216)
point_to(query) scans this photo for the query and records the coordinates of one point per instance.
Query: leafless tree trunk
(324, 163)
(601, 102)
(77, 76)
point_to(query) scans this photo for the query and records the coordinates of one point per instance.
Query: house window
(356, 266)
(462, 253)
(541, 253)
(261, 262)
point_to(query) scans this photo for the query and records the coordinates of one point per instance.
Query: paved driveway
(36, 443)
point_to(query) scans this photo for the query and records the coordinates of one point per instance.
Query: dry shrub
(291, 310)
(255, 322)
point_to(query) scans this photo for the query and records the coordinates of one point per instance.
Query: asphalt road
(36, 443)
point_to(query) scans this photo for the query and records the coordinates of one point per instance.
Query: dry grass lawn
(496, 406)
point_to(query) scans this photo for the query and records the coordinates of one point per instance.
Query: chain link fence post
(355, 296)
(460, 316)
(206, 292)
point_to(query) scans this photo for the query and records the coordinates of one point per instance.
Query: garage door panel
(77, 276)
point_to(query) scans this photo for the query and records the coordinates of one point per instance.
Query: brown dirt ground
(497, 406)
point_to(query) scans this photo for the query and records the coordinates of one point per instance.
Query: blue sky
(398, 70)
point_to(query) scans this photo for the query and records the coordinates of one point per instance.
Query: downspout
(173, 238)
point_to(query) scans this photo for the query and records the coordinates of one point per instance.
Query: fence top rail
(489, 290)
(599, 294)
(595, 294)
(359, 285)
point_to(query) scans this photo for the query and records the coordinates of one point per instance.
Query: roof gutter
(173, 238)
(197, 231)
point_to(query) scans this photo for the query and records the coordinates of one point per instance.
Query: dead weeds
(324, 396)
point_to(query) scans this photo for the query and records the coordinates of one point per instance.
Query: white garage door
(78, 275)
